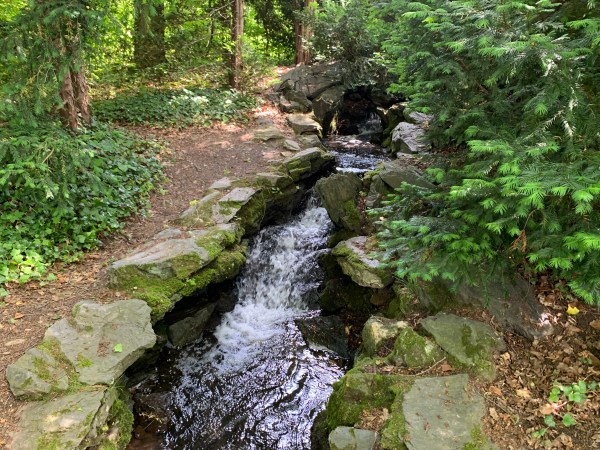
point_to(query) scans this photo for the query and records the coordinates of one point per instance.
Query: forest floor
(517, 400)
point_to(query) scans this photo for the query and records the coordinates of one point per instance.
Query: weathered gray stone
(307, 163)
(36, 373)
(169, 233)
(73, 421)
(187, 330)
(312, 80)
(102, 341)
(469, 344)
(325, 332)
(339, 194)
(267, 132)
(415, 351)
(363, 269)
(442, 413)
(291, 101)
(377, 330)
(304, 124)
(348, 438)
(222, 184)
(274, 180)
(292, 146)
(510, 298)
(409, 138)
(417, 118)
(310, 141)
(326, 105)
(220, 208)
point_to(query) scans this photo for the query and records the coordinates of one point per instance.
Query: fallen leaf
(572, 310)
(494, 414)
(118, 348)
(595, 324)
(547, 409)
(524, 393)
(446, 367)
(496, 391)
(19, 315)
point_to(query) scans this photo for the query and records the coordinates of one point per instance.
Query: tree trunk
(302, 33)
(237, 32)
(149, 34)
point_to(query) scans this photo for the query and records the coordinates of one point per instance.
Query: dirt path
(194, 160)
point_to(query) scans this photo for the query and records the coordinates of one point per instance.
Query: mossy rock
(364, 269)
(393, 434)
(342, 293)
(415, 351)
(356, 392)
(377, 331)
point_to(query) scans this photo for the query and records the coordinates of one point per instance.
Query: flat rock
(102, 341)
(377, 330)
(274, 180)
(442, 413)
(36, 373)
(339, 195)
(188, 330)
(470, 344)
(310, 141)
(71, 422)
(291, 145)
(267, 132)
(222, 184)
(307, 163)
(304, 124)
(409, 138)
(348, 438)
(363, 269)
(312, 80)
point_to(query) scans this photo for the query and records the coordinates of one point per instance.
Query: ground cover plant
(60, 193)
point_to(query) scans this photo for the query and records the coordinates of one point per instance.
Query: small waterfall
(257, 385)
(277, 276)
(370, 125)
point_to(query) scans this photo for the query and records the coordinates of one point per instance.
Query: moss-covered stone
(357, 392)
(415, 351)
(342, 293)
(357, 264)
(377, 331)
(401, 304)
(393, 434)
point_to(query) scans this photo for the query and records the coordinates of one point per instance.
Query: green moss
(478, 441)
(42, 370)
(402, 303)
(357, 392)
(82, 361)
(352, 219)
(414, 350)
(250, 215)
(394, 432)
(121, 417)
(48, 442)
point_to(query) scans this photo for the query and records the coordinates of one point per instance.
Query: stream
(251, 381)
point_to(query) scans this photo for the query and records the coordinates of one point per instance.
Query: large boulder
(267, 132)
(352, 256)
(189, 329)
(379, 330)
(326, 105)
(159, 272)
(348, 438)
(304, 124)
(391, 175)
(102, 341)
(409, 138)
(415, 351)
(327, 332)
(339, 194)
(310, 141)
(307, 163)
(312, 80)
(99, 417)
(440, 413)
(470, 344)
(510, 298)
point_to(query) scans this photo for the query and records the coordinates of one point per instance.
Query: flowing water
(254, 383)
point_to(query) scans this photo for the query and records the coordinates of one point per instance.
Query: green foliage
(562, 401)
(514, 87)
(176, 107)
(59, 193)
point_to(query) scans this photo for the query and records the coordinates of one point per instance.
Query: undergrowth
(176, 107)
(59, 192)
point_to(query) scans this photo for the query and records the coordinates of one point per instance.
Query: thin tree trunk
(82, 98)
(302, 33)
(237, 32)
(149, 34)
(68, 111)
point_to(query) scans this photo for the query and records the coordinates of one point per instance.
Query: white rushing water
(272, 286)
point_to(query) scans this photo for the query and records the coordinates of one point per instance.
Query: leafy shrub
(175, 107)
(514, 87)
(60, 192)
